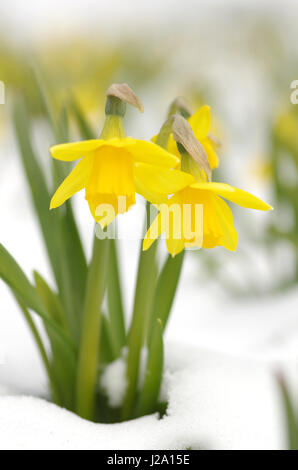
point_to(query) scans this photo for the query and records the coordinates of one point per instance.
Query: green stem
(146, 280)
(149, 394)
(165, 291)
(106, 352)
(164, 133)
(164, 295)
(115, 304)
(89, 344)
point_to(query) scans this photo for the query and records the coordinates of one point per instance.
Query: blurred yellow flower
(286, 128)
(262, 168)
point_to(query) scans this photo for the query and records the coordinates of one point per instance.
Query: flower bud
(180, 106)
(183, 135)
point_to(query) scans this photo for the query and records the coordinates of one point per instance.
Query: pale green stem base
(91, 322)
(146, 281)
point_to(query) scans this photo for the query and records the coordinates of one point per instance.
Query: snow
(113, 381)
(143, 364)
(215, 401)
(222, 355)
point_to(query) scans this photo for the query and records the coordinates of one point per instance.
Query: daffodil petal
(75, 150)
(147, 152)
(174, 246)
(154, 198)
(74, 182)
(238, 196)
(159, 180)
(211, 154)
(105, 218)
(153, 232)
(225, 217)
(200, 122)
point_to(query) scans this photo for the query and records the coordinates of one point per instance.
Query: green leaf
(84, 127)
(40, 346)
(14, 277)
(63, 365)
(148, 398)
(106, 353)
(290, 415)
(63, 124)
(76, 262)
(46, 104)
(39, 190)
(165, 291)
(71, 253)
(50, 300)
(145, 285)
(53, 226)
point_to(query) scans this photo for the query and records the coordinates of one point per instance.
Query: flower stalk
(145, 285)
(90, 334)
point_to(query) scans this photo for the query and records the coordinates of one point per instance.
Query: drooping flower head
(200, 123)
(181, 221)
(114, 167)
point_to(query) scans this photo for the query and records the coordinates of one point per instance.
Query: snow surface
(215, 402)
(113, 381)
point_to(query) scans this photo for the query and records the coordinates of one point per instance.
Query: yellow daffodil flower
(200, 122)
(114, 167)
(217, 227)
(117, 167)
(197, 216)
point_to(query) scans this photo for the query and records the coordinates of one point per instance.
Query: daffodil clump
(83, 314)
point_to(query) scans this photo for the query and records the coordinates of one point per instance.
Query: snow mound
(215, 402)
(113, 382)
